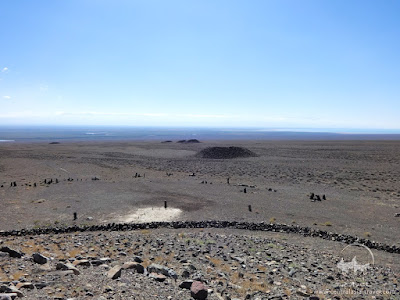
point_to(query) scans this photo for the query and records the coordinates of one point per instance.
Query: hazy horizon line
(339, 130)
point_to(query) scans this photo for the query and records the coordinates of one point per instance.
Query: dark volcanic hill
(225, 152)
(191, 141)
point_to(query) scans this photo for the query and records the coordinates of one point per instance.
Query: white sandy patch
(151, 214)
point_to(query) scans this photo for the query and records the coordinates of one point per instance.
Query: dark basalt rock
(11, 252)
(39, 258)
(304, 231)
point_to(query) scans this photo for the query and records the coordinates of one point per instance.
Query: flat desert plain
(42, 185)
(360, 180)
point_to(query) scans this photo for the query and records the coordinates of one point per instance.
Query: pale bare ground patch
(150, 214)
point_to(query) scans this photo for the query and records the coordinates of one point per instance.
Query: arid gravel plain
(357, 183)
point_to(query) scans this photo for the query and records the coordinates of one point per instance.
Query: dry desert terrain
(43, 185)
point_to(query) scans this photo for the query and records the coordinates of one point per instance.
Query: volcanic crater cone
(225, 152)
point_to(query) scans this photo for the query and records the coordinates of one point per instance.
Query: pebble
(158, 277)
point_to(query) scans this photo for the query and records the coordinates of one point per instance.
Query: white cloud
(7, 97)
(5, 69)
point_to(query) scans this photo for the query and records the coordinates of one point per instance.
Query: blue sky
(267, 63)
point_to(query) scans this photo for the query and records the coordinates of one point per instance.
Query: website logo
(362, 259)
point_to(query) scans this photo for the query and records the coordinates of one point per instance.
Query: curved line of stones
(284, 228)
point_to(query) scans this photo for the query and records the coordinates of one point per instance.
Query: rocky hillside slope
(180, 264)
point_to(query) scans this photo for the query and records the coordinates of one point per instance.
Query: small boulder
(11, 290)
(8, 296)
(67, 267)
(25, 285)
(198, 290)
(39, 258)
(156, 268)
(133, 265)
(114, 272)
(187, 284)
(101, 261)
(11, 252)
(81, 262)
(40, 285)
(138, 259)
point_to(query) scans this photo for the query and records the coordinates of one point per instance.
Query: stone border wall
(304, 231)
